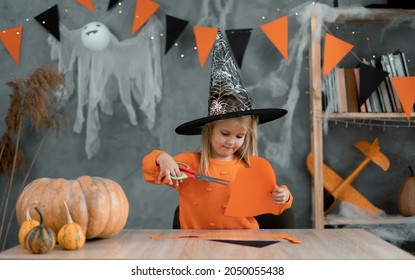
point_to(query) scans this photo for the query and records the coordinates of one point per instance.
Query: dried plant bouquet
(38, 100)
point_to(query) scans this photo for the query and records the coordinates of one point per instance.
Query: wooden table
(315, 244)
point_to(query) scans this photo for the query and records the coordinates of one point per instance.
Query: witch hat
(227, 96)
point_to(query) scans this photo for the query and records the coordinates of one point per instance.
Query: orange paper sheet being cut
(250, 191)
(290, 238)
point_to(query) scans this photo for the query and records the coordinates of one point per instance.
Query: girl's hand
(280, 195)
(168, 168)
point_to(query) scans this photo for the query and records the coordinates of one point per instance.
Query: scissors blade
(212, 179)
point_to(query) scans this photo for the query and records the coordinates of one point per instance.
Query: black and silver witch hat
(227, 96)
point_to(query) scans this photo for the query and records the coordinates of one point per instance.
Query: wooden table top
(132, 244)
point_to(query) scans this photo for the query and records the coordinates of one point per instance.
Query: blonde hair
(248, 148)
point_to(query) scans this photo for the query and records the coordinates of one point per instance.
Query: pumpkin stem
(28, 217)
(40, 215)
(68, 214)
(411, 171)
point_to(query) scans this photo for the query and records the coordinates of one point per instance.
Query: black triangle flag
(370, 79)
(174, 27)
(238, 40)
(112, 3)
(49, 19)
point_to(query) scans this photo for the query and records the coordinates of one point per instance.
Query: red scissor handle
(186, 172)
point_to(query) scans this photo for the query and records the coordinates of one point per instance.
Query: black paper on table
(251, 243)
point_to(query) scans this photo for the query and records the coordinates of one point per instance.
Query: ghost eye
(98, 25)
(85, 27)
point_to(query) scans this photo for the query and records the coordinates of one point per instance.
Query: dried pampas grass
(39, 98)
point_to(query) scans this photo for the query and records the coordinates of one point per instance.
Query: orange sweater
(202, 204)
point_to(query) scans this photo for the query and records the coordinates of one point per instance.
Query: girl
(229, 146)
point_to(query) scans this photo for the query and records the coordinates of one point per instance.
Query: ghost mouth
(91, 32)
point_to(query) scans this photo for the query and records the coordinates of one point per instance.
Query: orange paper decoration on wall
(205, 38)
(404, 87)
(12, 39)
(334, 51)
(277, 33)
(144, 9)
(87, 4)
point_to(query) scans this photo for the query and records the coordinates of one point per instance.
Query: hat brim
(195, 127)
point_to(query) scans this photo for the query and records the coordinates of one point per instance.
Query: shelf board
(388, 219)
(371, 116)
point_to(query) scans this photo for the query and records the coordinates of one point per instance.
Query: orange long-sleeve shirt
(202, 204)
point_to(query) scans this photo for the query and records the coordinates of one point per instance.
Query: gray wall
(272, 81)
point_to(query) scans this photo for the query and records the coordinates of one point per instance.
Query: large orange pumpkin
(98, 205)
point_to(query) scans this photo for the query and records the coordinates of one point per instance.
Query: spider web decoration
(227, 93)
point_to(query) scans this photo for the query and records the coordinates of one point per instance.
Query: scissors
(187, 173)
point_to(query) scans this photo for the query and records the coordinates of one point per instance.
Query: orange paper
(144, 10)
(12, 39)
(334, 51)
(277, 33)
(205, 38)
(87, 4)
(290, 238)
(404, 87)
(251, 189)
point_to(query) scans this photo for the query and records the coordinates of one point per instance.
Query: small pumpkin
(40, 239)
(406, 196)
(98, 205)
(26, 226)
(71, 236)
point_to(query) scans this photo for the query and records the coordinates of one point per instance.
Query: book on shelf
(351, 90)
(364, 107)
(341, 90)
(341, 87)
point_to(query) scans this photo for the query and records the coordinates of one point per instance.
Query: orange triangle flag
(205, 38)
(277, 33)
(334, 51)
(87, 4)
(404, 87)
(144, 9)
(12, 39)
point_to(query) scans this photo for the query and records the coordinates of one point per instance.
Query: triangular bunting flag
(112, 3)
(277, 33)
(404, 87)
(49, 19)
(205, 38)
(144, 9)
(370, 79)
(12, 39)
(238, 40)
(174, 27)
(334, 51)
(87, 4)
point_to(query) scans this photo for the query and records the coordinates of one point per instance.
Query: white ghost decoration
(95, 36)
(135, 63)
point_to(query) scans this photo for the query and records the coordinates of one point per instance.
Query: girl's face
(228, 135)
